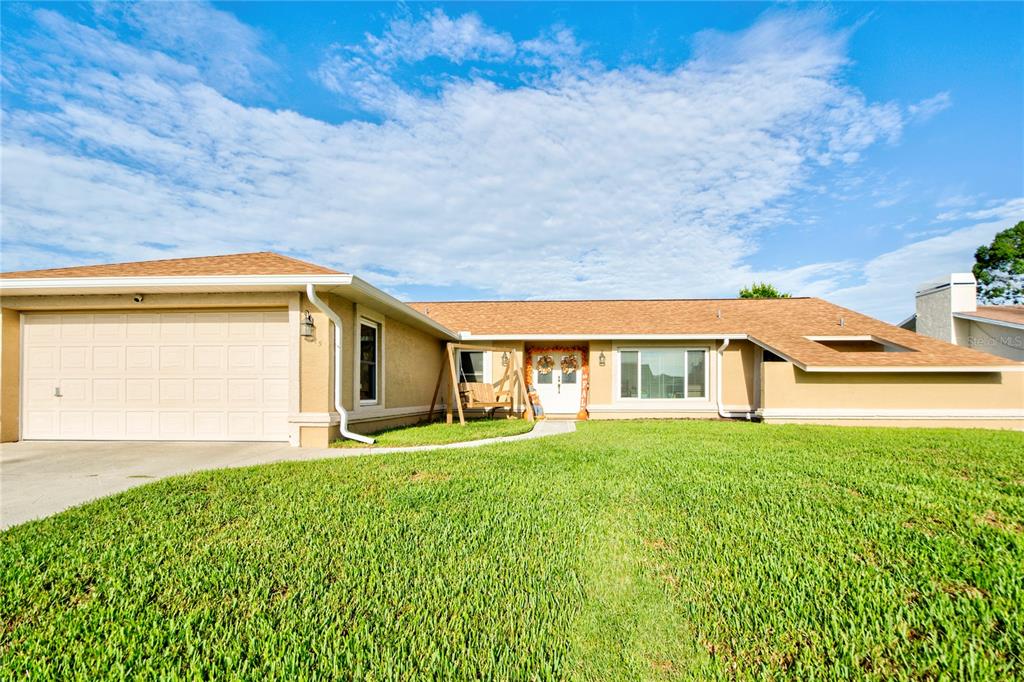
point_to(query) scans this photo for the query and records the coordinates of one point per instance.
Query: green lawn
(636, 550)
(440, 433)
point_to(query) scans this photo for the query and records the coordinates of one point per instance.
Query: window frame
(617, 371)
(378, 328)
(487, 363)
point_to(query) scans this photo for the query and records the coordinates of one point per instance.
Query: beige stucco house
(265, 347)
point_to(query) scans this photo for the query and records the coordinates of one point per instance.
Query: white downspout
(342, 414)
(718, 394)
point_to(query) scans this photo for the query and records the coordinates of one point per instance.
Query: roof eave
(990, 320)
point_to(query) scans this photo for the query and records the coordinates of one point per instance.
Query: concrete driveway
(39, 478)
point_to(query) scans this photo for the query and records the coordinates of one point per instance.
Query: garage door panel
(142, 327)
(140, 359)
(108, 327)
(244, 391)
(140, 424)
(108, 392)
(43, 329)
(108, 359)
(245, 425)
(275, 392)
(75, 423)
(210, 425)
(75, 328)
(245, 326)
(245, 359)
(209, 391)
(75, 392)
(175, 359)
(209, 359)
(174, 392)
(215, 375)
(74, 358)
(175, 425)
(139, 392)
(108, 424)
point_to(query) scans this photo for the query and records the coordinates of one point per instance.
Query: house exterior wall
(936, 399)
(996, 339)
(10, 374)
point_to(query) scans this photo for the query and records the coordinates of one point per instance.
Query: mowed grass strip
(637, 550)
(440, 433)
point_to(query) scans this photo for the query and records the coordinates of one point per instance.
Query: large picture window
(369, 351)
(662, 373)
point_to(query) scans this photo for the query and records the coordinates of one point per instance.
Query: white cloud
(227, 52)
(890, 280)
(927, 108)
(1006, 209)
(364, 71)
(589, 183)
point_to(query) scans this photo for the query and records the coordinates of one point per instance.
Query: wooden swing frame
(511, 385)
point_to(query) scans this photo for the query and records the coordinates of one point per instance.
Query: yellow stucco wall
(786, 386)
(601, 377)
(738, 374)
(10, 371)
(412, 361)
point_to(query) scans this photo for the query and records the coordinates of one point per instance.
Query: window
(662, 374)
(368, 354)
(471, 367)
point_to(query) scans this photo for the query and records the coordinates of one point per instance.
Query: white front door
(557, 377)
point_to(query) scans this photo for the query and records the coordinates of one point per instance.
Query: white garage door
(155, 376)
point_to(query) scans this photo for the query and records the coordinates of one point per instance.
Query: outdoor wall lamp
(601, 359)
(306, 325)
(504, 359)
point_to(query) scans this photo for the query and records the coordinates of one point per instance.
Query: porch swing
(478, 395)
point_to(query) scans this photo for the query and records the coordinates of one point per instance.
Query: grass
(640, 550)
(440, 433)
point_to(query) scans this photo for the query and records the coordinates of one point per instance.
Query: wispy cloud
(584, 182)
(927, 108)
(1006, 209)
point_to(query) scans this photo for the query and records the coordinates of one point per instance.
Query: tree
(761, 290)
(999, 267)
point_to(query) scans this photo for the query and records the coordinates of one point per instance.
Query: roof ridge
(611, 300)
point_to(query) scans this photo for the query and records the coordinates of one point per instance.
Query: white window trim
(654, 402)
(374, 319)
(488, 378)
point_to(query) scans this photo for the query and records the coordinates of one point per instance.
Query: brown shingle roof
(260, 263)
(781, 324)
(1002, 313)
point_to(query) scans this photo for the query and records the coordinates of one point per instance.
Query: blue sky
(498, 150)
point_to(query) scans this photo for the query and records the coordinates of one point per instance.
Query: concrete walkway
(39, 478)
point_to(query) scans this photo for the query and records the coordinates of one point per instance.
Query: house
(246, 347)
(948, 309)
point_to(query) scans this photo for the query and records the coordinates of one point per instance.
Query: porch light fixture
(504, 359)
(601, 359)
(306, 325)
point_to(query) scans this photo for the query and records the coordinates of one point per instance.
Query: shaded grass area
(440, 433)
(639, 550)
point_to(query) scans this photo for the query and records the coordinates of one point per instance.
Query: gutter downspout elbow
(342, 414)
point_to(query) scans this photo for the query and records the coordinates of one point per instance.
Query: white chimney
(939, 299)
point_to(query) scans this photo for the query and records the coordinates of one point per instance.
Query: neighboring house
(244, 347)
(948, 309)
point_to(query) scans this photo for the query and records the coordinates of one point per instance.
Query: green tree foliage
(762, 290)
(999, 267)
